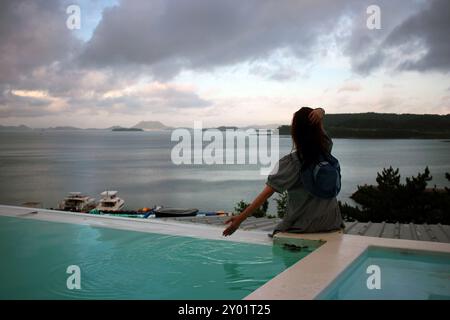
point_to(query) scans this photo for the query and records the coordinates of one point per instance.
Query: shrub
(281, 201)
(259, 213)
(392, 201)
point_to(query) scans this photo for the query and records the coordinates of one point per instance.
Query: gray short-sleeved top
(304, 212)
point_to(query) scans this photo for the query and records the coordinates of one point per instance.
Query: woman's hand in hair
(316, 116)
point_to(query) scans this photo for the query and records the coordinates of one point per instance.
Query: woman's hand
(235, 222)
(316, 115)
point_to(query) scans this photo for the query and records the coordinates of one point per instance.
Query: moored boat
(174, 212)
(110, 202)
(77, 202)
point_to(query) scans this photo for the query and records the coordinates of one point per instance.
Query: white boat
(110, 201)
(77, 202)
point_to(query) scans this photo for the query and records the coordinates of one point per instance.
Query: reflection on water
(294, 255)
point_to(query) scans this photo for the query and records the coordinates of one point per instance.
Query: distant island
(384, 126)
(141, 126)
(127, 129)
(346, 125)
(151, 125)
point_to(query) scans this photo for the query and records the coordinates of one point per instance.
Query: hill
(127, 129)
(384, 126)
(62, 128)
(151, 125)
(14, 128)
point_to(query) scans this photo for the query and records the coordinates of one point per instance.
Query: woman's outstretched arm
(236, 221)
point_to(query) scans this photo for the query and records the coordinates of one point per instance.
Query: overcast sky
(233, 62)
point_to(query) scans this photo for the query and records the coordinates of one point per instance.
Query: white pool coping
(304, 280)
(141, 225)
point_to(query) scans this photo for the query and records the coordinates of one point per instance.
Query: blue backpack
(323, 179)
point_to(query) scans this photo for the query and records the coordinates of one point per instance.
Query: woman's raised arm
(317, 115)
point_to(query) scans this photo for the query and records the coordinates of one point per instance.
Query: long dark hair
(309, 138)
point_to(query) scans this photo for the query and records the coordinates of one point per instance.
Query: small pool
(118, 264)
(403, 274)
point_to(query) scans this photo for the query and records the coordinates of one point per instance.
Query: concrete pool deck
(306, 279)
(410, 231)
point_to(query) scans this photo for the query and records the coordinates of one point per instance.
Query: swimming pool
(119, 264)
(402, 274)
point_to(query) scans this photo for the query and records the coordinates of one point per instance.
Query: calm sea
(44, 166)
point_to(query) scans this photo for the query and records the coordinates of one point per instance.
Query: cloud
(35, 49)
(280, 66)
(161, 38)
(29, 104)
(131, 63)
(154, 97)
(418, 43)
(33, 34)
(170, 36)
(350, 87)
(159, 97)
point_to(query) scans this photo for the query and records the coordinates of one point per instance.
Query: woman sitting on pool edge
(305, 213)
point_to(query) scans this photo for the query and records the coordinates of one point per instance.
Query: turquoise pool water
(117, 264)
(413, 275)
